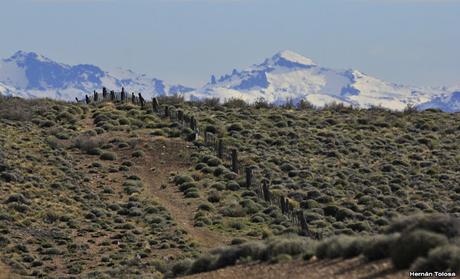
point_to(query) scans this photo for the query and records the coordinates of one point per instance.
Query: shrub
(233, 210)
(270, 250)
(214, 197)
(108, 156)
(94, 151)
(379, 247)
(138, 153)
(442, 259)
(235, 127)
(230, 255)
(206, 207)
(237, 241)
(87, 143)
(233, 186)
(187, 185)
(235, 103)
(213, 162)
(355, 248)
(218, 186)
(289, 246)
(181, 267)
(237, 225)
(192, 194)
(257, 219)
(443, 224)
(334, 247)
(203, 263)
(414, 244)
(180, 179)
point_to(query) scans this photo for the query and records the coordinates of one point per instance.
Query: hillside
(114, 189)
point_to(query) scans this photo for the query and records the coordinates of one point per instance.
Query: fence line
(228, 154)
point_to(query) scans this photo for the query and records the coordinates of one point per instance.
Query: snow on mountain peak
(22, 56)
(292, 57)
(29, 74)
(286, 76)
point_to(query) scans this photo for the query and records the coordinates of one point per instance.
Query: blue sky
(413, 42)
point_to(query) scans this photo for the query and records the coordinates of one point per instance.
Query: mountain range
(285, 77)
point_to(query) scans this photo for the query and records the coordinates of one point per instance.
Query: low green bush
(442, 259)
(379, 247)
(334, 247)
(138, 154)
(414, 244)
(108, 156)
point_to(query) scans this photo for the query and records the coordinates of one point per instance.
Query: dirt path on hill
(355, 268)
(163, 157)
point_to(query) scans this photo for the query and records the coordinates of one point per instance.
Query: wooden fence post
(248, 177)
(302, 221)
(283, 205)
(196, 135)
(235, 161)
(220, 148)
(266, 190)
(180, 116)
(155, 105)
(206, 138)
(104, 93)
(141, 100)
(166, 111)
(192, 123)
(123, 94)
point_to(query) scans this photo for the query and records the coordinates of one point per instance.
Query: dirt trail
(338, 269)
(164, 156)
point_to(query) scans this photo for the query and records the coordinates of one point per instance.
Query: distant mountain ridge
(28, 74)
(290, 76)
(287, 76)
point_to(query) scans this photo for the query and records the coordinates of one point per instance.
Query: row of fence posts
(122, 96)
(216, 143)
(211, 140)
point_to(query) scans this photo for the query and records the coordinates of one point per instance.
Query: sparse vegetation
(71, 191)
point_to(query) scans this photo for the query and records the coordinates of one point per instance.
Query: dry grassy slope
(162, 157)
(116, 213)
(350, 171)
(65, 212)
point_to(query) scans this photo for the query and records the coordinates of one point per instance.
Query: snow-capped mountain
(290, 76)
(28, 74)
(287, 76)
(449, 102)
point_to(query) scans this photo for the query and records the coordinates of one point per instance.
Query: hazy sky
(413, 42)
